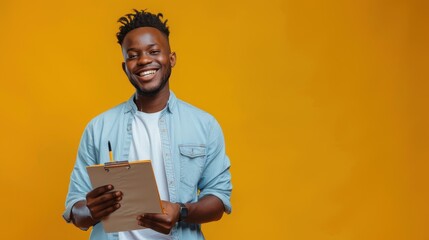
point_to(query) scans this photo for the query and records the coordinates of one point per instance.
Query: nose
(144, 59)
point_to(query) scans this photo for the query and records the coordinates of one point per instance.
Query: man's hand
(99, 203)
(102, 201)
(161, 222)
(207, 209)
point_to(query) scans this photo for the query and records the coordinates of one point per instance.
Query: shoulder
(192, 119)
(188, 110)
(109, 116)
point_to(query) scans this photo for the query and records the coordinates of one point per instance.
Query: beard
(155, 90)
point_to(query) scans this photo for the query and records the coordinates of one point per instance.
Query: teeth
(145, 73)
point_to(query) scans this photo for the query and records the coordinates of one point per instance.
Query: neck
(152, 103)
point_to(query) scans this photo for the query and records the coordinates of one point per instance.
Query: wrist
(183, 212)
(81, 216)
(91, 220)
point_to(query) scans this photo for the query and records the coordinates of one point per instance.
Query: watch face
(183, 212)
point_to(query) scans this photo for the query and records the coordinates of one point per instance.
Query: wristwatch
(183, 212)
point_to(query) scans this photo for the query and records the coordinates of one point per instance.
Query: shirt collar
(171, 104)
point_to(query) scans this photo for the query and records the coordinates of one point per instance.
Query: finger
(99, 191)
(157, 226)
(104, 198)
(156, 217)
(100, 207)
(106, 212)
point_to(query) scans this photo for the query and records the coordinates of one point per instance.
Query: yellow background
(324, 106)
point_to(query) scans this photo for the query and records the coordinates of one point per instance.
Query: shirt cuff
(225, 200)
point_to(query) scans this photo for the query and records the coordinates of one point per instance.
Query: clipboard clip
(115, 164)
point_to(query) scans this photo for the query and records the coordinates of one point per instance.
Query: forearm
(81, 216)
(207, 209)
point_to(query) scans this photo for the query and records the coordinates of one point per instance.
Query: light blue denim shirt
(193, 151)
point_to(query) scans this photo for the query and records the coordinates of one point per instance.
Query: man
(185, 144)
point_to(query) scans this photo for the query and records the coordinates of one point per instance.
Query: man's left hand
(161, 222)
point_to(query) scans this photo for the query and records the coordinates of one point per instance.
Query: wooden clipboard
(136, 180)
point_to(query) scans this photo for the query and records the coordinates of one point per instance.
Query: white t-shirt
(146, 145)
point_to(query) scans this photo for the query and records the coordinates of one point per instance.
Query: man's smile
(146, 74)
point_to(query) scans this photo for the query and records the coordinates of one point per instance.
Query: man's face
(148, 60)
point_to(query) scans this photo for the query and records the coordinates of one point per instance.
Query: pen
(110, 151)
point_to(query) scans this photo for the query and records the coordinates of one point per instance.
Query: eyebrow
(136, 49)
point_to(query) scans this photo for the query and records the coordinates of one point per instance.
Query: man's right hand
(102, 201)
(99, 203)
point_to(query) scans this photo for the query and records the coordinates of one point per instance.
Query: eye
(154, 52)
(132, 55)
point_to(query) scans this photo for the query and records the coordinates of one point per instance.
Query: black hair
(141, 19)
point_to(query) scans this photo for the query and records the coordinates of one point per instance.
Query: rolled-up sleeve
(216, 177)
(80, 184)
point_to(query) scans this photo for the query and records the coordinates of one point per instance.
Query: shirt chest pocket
(192, 160)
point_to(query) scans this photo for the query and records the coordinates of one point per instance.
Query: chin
(149, 91)
(150, 88)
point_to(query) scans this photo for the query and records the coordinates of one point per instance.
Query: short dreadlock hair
(138, 19)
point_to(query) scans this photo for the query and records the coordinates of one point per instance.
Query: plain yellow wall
(324, 106)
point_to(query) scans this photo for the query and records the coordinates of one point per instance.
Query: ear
(123, 67)
(172, 59)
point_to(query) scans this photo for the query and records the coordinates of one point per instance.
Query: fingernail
(110, 187)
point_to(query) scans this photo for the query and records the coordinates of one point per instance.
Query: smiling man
(185, 144)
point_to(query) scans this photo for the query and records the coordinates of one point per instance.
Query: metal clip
(109, 165)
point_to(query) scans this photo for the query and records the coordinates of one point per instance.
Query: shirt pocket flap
(192, 151)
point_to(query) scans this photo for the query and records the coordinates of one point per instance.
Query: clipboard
(136, 180)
